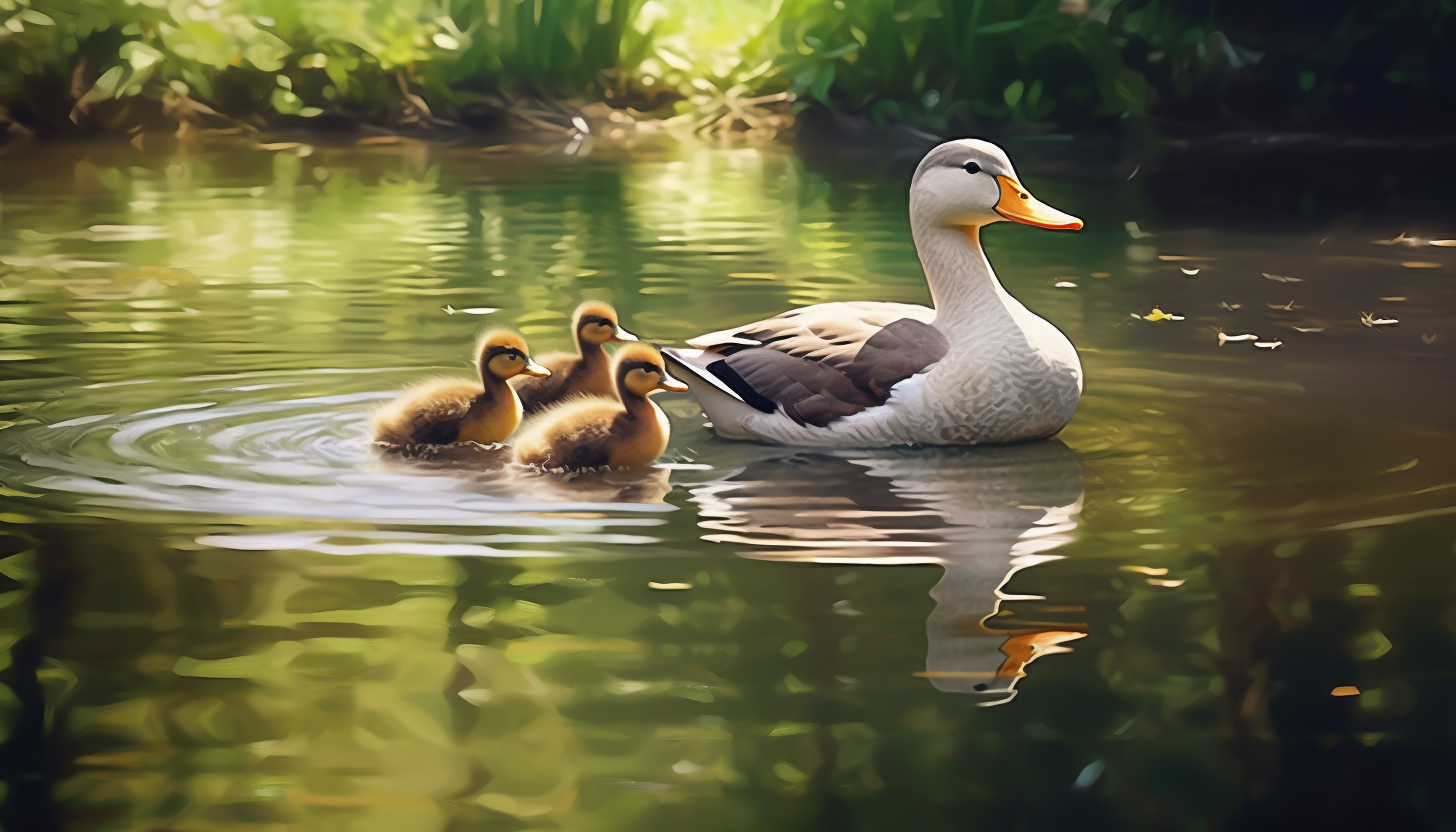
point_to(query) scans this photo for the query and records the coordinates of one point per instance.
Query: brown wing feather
(829, 332)
(575, 434)
(826, 362)
(430, 414)
(537, 393)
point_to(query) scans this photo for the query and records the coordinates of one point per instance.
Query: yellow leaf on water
(1345, 690)
(1404, 466)
(1155, 571)
(1159, 315)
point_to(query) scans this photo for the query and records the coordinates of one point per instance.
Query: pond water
(1223, 598)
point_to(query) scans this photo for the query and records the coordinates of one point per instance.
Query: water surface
(1225, 587)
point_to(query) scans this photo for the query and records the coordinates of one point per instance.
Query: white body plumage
(1007, 374)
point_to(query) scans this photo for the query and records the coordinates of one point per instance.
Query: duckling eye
(972, 167)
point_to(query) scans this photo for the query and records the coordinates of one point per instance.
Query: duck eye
(972, 167)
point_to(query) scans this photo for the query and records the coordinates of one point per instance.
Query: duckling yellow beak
(672, 384)
(1018, 205)
(624, 335)
(534, 369)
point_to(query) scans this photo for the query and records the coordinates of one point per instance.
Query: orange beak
(672, 384)
(1018, 205)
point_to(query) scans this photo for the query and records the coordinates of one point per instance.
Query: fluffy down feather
(428, 414)
(574, 435)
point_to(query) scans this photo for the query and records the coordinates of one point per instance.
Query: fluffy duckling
(587, 373)
(452, 410)
(598, 432)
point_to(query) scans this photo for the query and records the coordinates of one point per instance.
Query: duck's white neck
(963, 288)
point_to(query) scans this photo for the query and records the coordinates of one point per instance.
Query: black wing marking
(814, 392)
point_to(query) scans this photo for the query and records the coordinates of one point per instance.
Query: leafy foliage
(936, 64)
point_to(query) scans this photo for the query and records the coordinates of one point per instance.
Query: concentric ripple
(260, 449)
(1182, 469)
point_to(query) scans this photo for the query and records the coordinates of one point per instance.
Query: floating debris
(668, 585)
(1399, 240)
(1134, 231)
(1370, 320)
(1345, 690)
(1420, 264)
(1165, 583)
(1268, 345)
(1230, 306)
(1394, 299)
(1281, 278)
(1102, 274)
(1189, 272)
(1065, 284)
(1224, 338)
(1404, 466)
(1159, 315)
(1428, 338)
(1404, 240)
(1287, 307)
(1309, 329)
(1177, 258)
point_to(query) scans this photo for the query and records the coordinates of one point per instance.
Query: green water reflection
(219, 611)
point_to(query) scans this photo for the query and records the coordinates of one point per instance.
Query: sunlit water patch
(224, 606)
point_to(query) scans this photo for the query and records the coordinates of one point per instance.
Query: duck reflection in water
(983, 514)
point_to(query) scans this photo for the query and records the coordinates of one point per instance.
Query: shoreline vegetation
(385, 71)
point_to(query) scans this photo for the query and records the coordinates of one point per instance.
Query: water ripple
(311, 457)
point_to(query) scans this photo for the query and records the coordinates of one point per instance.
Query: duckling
(452, 410)
(588, 372)
(597, 432)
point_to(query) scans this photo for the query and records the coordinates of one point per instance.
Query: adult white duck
(977, 368)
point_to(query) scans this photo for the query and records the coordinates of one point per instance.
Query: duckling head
(969, 183)
(596, 324)
(503, 354)
(640, 372)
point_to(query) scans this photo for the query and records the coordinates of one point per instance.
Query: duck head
(596, 324)
(969, 183)
(502, 355)
(640, 372)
